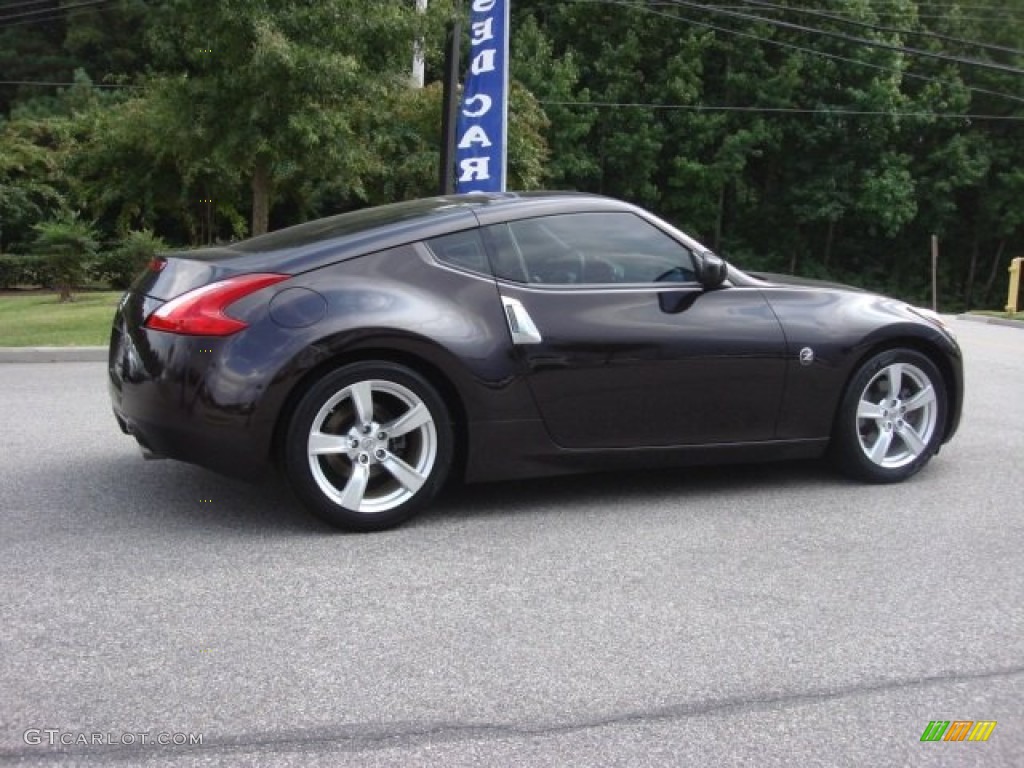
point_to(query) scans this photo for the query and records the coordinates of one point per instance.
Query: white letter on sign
(484, 6)
(475, 169)
(482, 31)
(483, 100)
(483, 62)
(475, 135)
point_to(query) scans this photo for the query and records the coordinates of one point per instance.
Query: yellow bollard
(1011, 301)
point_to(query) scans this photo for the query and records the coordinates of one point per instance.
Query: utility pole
(417, 55)
(450, 106)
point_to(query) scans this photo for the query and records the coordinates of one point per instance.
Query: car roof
(446, 212)
(337, 238)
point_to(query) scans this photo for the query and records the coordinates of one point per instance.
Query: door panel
(652, 366)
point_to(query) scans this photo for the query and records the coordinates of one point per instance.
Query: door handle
(520, 324)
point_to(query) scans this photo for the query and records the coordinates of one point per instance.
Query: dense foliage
(822, 137)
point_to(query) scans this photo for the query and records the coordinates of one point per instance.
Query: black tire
(368, 446)
(885, 437)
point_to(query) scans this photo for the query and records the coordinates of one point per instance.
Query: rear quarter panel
(396, 303)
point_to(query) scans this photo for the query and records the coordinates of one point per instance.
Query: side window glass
(463, 250)
(592, 248)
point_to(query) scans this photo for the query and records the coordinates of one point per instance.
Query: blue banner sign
(482, 129)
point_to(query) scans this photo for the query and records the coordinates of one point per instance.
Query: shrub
(120, 266)
(28, 270)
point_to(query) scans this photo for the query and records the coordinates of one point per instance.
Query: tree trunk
(995, 269)
(794, 260)
(972, 269)
(720, 218)
(260, 199)
(830, 237)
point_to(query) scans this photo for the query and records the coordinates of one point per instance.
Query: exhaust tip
(148, 453)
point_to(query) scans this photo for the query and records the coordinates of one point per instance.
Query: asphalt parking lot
(766, 615)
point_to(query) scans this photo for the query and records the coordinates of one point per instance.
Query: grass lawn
(37, 319)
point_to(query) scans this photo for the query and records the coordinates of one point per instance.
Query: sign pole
(450, 106)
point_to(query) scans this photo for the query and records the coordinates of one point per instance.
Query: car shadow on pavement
(636, 488)
(168, 494)
(160, 494)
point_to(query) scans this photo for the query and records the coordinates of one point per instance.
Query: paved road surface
(773, 615)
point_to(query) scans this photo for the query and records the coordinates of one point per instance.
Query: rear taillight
(202, 312)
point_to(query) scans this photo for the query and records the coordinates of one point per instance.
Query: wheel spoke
(925, 397)
(408, 477)
(869, 410)
(894, 373)
(355, 488)
(321, 443)
(881, 447)
(912, 440)
(362, 399)
(412, 419)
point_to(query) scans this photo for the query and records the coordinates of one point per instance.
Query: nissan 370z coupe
(373, 355)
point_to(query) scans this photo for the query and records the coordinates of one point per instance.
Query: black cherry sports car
(373, 355)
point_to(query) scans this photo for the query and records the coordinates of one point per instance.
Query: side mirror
(711, 270)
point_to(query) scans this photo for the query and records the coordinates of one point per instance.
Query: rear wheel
(891, 419)
(369, 445)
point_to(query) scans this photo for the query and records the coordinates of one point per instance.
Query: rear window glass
(463, 250)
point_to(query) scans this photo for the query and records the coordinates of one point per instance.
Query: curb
(1005, 321)
(53, 354)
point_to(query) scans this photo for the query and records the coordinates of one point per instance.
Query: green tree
(67, 243)
(27, 189)
(552, 77)
(405, 133)
(140, 168)
(275, 89)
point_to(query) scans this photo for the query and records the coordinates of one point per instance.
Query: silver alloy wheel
(896, 415)
(372, 446)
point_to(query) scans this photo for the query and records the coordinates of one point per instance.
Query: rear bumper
(227, 455)
(162, 395)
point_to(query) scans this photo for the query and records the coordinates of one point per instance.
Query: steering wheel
(674, 275)
(567, 269)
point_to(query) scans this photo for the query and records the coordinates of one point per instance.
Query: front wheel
(891, 419)
(368, 446)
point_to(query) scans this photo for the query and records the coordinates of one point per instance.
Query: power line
(944, 16)
(47, 19)
(851, 38)
(761, 5)
(707, 25)
(49, 84)
(58, 17)
(927, 6)
(12, 6)
(943, 8)
(973, 6)
(832, 112)
(51, 10)
(994, 15)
